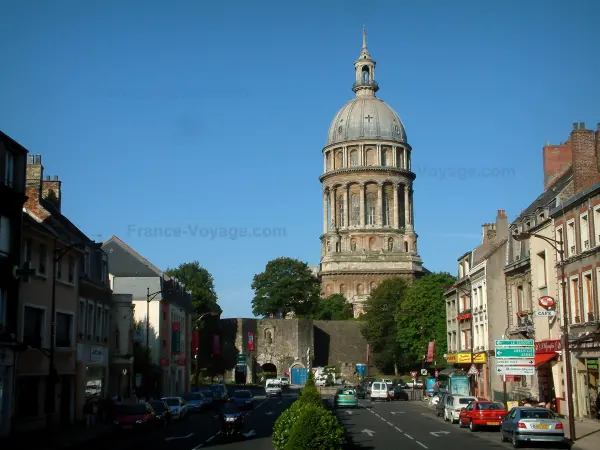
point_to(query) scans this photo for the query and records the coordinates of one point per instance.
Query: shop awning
(544, 358)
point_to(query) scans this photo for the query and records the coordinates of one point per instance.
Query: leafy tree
(200, 282)
(422, 318)
(334, 307)
(286, 286)
(379, 327)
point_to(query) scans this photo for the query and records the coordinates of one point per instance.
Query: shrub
(285, 422)
(316, 427)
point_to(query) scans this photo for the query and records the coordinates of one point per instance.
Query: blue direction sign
(515, 343)
(515, 352)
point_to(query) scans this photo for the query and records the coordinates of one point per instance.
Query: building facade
(12, 192)
(368, 215)
(122, 379)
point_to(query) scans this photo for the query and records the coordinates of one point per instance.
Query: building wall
(155, 338)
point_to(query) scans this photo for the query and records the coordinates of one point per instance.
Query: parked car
(177, 407)
(532, 424)
(162, 411)
(345, 398)
(397, 393)
(454, 405)
(135, 416)
(380, 391)
(284, 381)
(194, 401)
(243, 399)
(482, 414)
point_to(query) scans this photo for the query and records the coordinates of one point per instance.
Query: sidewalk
(587, 433)
(63, 439)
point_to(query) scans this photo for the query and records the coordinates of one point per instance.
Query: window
(81, 319)
(341, 211)
(71, 272)
(584, 229)
(384, 158)
(541, 270)
(34, 327)
(43, 259)
(355, 209)
(27, 251)
(371, 209)
(520, 298)
(465, 339)
(571, 248)
(559, 235)
(9, 169)
(106, 325)
(90, 321)
(64, 330)
(597, 225)
(58, 266)
(104, 269)
(86, 263)
(354, 158)
(98, 323)
(4, 235)
(3, 308)
(588, 299)
(386, 208)
(575, 306)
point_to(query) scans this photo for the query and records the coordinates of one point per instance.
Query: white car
(284, 381)
(380, 391)
(177, 407)
(454, 405)
(273, 390)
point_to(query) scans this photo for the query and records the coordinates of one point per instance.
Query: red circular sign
(546, 302)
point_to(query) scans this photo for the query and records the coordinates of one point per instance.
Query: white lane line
(422, 445)
(398, 429)
(390, 424)
(210, 439)
(410, 437)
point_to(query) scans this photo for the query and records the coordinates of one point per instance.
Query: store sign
(451, 358)
(431, 351)
(462, 317)
(546, 302)
(176, 337)
(592, 364)
(96, 354)
(547, 347)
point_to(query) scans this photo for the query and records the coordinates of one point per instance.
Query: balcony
(359, 85)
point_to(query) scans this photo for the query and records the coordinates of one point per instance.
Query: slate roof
(548, 197)
(126, 262)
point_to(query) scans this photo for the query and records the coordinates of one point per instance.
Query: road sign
(413, 374)
(515, 343)
(515, 362)
(515, 352)
(544, 313)
(514, 370)
(424, 372)
(546, 302)
(473, 370)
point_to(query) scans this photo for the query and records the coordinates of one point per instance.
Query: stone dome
(366, 117)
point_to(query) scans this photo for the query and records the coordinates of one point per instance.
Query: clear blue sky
(196, 115)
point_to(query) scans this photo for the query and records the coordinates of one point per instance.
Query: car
(243, 399)
(454, 405)
(177, 407)
(380, 391)
(208, 398)
(345, 398)
(194, 401)
(482, 414)
(361, 392)
(273, 390)
(397, 393)
(135, 415)
(526, 424)
(162, 411)
(219, 392)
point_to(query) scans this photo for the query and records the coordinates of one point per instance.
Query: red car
(135, 416)
(482, 414)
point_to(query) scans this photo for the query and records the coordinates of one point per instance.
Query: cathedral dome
(366, 117)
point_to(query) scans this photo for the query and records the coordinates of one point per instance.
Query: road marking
(210, 439)
(398, 429)
(249, 433)
(397, 412)
(390, 424)
(172, 438)
(437, 433)
(422, 445)
(348, 412)
(369, 432)
(268, 413)
(408, 436)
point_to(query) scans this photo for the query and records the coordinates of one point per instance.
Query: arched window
(354, 158)
(339, 160)
(355, 209)
(342, 289)
(341, 212)
(386, 208)
(406, 246)
(360, 289)
(371, 210)
(370, 157)
(328, 290)
(366, 76)
(372, 243)
(384, 158)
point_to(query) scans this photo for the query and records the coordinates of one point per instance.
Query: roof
(548, 197)
(126, 262)
(572, 201)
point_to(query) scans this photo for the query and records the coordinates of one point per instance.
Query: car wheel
(446, 416)
(515, 442)
(502, 437)
(472, 427)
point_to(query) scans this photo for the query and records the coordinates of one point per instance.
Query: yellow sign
(480, 358)
(451, 358)
(465, 358)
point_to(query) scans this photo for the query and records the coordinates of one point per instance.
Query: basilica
(368, 217)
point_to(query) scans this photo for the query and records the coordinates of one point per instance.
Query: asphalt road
(202, 430)
(410, 425)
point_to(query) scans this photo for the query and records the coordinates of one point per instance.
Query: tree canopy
(200, 282)
(286, 286)
(423, 311)
(379, 327)
(333, 307)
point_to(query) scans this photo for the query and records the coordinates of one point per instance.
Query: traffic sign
(515, 352)
(424, 372)
(473, 370)
(515, 362)
(413, 374)
(526, 371)
(515, 342)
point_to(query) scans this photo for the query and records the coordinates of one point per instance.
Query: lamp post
(149, 298)
(559, 247)
(197, 350)
(57, 255)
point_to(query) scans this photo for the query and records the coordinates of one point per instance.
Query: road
(410, 425)
(202, 430)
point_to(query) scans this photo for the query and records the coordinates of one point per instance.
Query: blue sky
(200, 115)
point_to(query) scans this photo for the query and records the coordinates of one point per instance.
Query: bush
(316, 427)
(284, 424)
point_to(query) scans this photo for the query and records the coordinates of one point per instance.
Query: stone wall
(339, 343)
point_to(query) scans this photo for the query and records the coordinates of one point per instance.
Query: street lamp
(149, 298)
(197, 351)
(560, 249)
(57, 255)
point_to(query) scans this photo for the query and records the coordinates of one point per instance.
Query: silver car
(532, 424)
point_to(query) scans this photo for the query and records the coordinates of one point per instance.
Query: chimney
(557, 160)
(585, 159)
(501, 225)
(488, 231)
(33, 184)
(51, 191)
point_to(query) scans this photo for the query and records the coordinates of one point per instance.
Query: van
(380, 391)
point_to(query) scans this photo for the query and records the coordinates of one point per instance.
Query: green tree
(379, 327)
(334, 307)
(422, 318)
(200, 282)
(287, 285)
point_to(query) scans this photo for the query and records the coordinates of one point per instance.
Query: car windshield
(208, 394)
(271, 385)
(348, 392)
(465, 400)
(242, 394)
(159, 407)
(537, 414)
(192, 397)
(173, 401)
(131, 410)
(490, 406)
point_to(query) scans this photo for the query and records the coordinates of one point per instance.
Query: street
(411, 425)
(202, 430)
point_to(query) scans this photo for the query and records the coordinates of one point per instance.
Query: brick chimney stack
(501, 225)
(585, 157)
(557, 160)
(33, 186)
(51, 191)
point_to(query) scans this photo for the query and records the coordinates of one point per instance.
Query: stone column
(379, 207)
(345, 156)
(407, 223)
(378, 150)
(404, 159)
(395, 156)
(412, 208)
(362, 205)
(325, 220)
(333, 207)
(395, 222)
(346, 208)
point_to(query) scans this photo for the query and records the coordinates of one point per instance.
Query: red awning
(541, 358)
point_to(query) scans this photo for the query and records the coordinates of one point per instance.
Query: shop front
(92, 375)
(548, 373)
(586, 355)
(475, 365)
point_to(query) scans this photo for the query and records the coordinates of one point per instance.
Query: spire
(364, 66)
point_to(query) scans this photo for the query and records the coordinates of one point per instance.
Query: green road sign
(515, 352)
(514, 343)
(242, 357)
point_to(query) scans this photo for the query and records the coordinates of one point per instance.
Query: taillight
(559, 427)
(356, 396)
(521, 425)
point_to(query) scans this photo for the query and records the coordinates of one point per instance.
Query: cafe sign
(548, 347)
